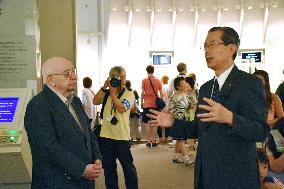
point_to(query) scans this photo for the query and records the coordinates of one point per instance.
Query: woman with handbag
(150, 88)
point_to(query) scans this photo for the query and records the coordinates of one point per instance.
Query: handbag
(159, 101)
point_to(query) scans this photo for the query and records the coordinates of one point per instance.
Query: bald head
(53, 65)
(59, 74)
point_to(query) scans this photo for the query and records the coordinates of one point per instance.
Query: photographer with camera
(115, 131)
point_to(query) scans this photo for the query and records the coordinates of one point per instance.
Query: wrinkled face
(183, 86)
(263, 169)
(216, 53)
(261, 78)
(63, 78)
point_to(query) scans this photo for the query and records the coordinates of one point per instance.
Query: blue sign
(256, 56)
(8, 108)
(162, 59)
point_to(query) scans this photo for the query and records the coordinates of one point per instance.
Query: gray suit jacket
(60, 149)
(226, 156)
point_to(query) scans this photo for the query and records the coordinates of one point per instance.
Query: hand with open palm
(160, 119)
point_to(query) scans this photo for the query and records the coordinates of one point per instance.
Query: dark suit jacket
(226, 156)
(60, 149)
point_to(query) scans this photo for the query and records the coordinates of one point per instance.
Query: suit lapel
(84, 122)
(228, 85)
(206, 92)
(60, 108)
(80, 115)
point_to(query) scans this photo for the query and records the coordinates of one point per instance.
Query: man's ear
(50, 81)
(233, 48)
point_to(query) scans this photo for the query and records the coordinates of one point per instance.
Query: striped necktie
(216, 90)
(68, 101)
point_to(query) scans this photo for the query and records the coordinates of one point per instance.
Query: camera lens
(115, 82)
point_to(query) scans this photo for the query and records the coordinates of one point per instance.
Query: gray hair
(115, 71)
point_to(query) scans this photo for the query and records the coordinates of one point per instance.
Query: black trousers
(118, 149)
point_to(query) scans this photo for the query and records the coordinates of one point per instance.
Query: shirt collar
(63, 98)
(222, 78)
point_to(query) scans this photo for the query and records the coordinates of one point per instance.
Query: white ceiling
(87, 10)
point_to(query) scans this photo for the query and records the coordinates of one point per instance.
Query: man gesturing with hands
(230, 119)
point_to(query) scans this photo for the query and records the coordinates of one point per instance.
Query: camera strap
(118, 96)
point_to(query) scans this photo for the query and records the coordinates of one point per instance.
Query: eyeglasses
(67, 74)
(210, 45)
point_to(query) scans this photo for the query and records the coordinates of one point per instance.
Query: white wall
(87, 61)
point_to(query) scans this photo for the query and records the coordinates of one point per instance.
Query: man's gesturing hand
(216, 113)
(161, 119)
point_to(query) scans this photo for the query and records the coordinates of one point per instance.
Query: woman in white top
(87, 98)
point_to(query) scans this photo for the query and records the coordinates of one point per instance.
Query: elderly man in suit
(64, 149)
(230, 119)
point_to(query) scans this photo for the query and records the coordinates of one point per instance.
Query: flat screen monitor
(162, 59)
(254, 56)
(8, 107)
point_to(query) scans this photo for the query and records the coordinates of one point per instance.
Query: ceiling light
(114, 9)
(137, 9)
(126, 8)
(249, 6)
(274, 5)
(171, 9)
(203, 9)
(149, 9)
(226, 7)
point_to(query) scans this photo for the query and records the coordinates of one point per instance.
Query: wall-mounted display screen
(161, 59)
(8, 107)
(255, 57)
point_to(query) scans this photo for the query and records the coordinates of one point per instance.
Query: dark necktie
(216, 89)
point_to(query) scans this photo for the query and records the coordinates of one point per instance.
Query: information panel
(17, 57)
(8, 108)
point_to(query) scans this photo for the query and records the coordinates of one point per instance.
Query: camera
(114, 120)
(115, 82)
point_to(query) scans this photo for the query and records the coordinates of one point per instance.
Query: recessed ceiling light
(148, 9)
